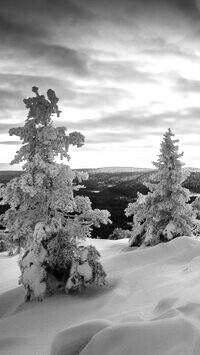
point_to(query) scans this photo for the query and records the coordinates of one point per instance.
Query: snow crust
(150, 306)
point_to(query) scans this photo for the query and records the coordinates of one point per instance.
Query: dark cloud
(23, 84)
(162, 47)
(54, 57)
(74, 10)
(129, 125)
(95, 97)
(127, 10)
(186, 6)
(4, 127)
(61, 57)
(15, 33)
(123, 120)
(30, 40)
(187, 85)
(114, 137)
(10, 99)
(120, 71)
(77, 12)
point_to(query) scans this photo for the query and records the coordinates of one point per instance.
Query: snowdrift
(150, 306)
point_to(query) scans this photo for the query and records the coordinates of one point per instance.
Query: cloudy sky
(125, 71)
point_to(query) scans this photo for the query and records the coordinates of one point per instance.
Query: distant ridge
(191, 169)
(7, 167)
(7, 175)
(114, 170)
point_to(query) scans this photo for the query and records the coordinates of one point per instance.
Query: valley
(113, 189)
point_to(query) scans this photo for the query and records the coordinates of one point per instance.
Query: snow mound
(174, 336)
(191, 310)
(9, 301)
(150, 305)
(13, 345)
(72, 340)
(194, 264)
(165, 304)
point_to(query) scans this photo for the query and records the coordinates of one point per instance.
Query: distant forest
(113, 189)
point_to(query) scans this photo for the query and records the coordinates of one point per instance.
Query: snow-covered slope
(150, 306)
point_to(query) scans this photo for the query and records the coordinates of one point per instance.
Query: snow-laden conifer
(45, 218)
(163, 213)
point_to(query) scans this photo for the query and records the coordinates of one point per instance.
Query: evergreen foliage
(119, 233)
(44, 217)
(196, 208)
(163, 213)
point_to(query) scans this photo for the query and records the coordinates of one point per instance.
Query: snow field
(150, 306)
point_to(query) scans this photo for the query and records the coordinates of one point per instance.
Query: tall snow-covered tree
(163, 213)
(45, 218)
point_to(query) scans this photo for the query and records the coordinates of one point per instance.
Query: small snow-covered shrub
(44, 217)
(33, 274)
(119, 233)
(86, 270)
(44, 273)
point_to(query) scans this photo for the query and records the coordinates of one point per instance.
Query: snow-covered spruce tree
(196, 208)
(44, 216)
(163, 213)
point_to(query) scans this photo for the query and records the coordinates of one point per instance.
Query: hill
(114, 170)
(7, 175)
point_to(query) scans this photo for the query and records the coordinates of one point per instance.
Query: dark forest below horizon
(113, 189)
